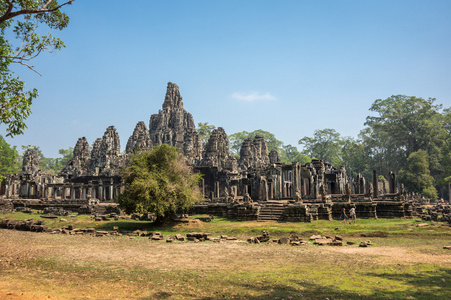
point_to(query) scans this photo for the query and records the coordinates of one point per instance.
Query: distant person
(352, 215)
(344, 216)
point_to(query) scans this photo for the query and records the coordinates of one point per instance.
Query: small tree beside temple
(159, 181)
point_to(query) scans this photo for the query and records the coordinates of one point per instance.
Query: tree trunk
(162, 220)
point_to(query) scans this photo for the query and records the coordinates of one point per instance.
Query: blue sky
(288, 67)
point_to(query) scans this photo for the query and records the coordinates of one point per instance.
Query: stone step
(268, 219)
(271, 210)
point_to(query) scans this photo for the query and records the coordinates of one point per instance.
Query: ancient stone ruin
(174, 126)
(139, 140)
(257, 186)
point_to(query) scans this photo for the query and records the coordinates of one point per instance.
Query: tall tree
(159, 181)
(9, 163)
(204, 130)
(355, 158)
(445, 162)
(290, 154)
(416, 176)
(325, 144)
(407, 124)
(15, 101)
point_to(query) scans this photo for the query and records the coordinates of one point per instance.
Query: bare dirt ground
(17, 248)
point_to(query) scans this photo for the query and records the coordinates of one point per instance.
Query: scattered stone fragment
(253, 240)
(323, 241)
(315, 237)
(283, 241)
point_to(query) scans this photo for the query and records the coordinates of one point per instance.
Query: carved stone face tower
(174, 126)
(254, 153)
(79, 164)
(30, 162)
(217, 153)
(139, 140)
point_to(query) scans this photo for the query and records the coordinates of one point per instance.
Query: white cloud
(253, 96)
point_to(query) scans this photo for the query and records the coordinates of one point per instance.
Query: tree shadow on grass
(274, 291)
(427, 285)
(129, 225)
(434, 284)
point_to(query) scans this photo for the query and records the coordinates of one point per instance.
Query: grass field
(409, 262)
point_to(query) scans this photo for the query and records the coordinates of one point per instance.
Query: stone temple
(257, 186)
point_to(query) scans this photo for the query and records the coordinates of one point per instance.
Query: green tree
(355, 158)
(237, 139)
(416, 177)
(291, 154)
(326, 144)
(9, 163)
(445, 161)
(204, 130)
(15, 101)
(403, 125)
(159, 181)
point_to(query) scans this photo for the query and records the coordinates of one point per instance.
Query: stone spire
(79, 164)
(174, 126)
(172, 98)
(95, 155)
(217, 153)
(106, 158)
(31, 162)
(139, 140)
(254, 153)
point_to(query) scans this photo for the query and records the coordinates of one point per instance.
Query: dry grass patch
(399, 266)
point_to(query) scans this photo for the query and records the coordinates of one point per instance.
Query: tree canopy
(403, 125)
(159, 181)
(326, 144)
(20, 18)
(204, 130)
(9, 158)
(416, 176)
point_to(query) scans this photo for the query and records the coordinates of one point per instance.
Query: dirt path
(125, 253)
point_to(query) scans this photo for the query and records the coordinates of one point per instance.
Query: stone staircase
(271, 211)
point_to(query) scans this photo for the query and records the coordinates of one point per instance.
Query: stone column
(116, 191)
(7, 190)
(217, 189)
(72, 193)
(111, 191)
(203, 187)
(375, 185)
(100, 191)
(392, 183)
(83, 193)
